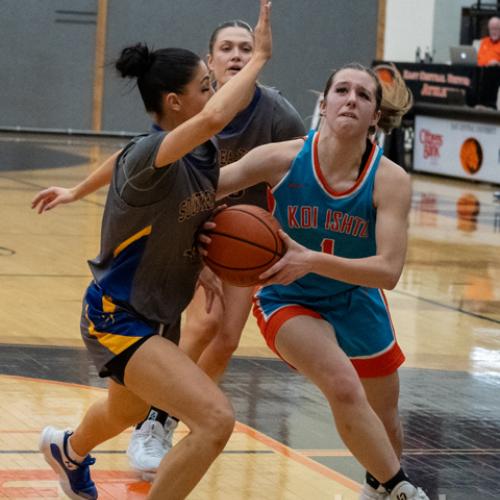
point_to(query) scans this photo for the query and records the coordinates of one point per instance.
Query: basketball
(245, 243)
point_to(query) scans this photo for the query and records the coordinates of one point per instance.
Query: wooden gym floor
(446, 310)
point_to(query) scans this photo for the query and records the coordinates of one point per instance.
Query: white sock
(72, 454)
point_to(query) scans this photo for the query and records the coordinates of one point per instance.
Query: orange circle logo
(471, 155)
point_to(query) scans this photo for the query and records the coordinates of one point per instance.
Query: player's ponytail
(397, 98)
(157, 71)
(134, 61)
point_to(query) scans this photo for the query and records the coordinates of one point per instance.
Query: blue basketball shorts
(360, 318)
(113, 332)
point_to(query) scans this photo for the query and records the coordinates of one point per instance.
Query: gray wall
(47, 58)
(446, 32)
(50, 65)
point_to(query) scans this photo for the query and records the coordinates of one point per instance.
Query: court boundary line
(290, 453)
(275, 445)
(447, 306)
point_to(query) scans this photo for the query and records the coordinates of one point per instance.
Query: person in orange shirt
(489, 50)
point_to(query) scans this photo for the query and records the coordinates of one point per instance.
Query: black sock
(392, 483)
(371, 481)
(155, 414)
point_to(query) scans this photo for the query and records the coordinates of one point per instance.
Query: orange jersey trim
(324, 182)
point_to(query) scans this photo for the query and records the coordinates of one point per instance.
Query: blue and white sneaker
(74, 477)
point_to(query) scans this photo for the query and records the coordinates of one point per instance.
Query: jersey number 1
(328, 246)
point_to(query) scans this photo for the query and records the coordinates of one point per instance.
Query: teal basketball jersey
(318, 217)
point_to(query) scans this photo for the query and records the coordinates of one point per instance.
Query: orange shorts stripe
(269, 329)
(380, 366)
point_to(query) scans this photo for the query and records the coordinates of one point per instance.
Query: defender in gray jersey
(162, 188)
(148, 266)
(268, 118)
(210, 337)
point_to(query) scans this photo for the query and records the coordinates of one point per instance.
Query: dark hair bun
(135, 61)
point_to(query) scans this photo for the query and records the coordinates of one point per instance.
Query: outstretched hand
(293, 265)
(51, 197)
(263, 38)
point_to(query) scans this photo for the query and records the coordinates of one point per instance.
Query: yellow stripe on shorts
(112, 341)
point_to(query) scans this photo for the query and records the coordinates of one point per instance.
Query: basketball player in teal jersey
(163, 188)
(210, 337)
(343, 207)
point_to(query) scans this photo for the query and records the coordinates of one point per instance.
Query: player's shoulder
(268, 91)
(141, 144)
(389, 170)
(392, 183)
(273, 95)
(286, 120)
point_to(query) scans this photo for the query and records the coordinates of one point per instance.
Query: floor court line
(274, 445)
(298, 457)
(446, 306)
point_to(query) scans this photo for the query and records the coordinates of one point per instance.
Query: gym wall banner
(457, 148)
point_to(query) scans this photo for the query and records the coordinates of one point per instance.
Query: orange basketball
(245, 243)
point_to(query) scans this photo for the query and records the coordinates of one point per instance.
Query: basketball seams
(242, 269)
(245, 243)
(277, 241)
(249, 242)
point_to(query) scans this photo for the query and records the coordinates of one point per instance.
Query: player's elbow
(390, 282)
(390, 278)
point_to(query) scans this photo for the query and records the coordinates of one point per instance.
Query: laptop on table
(463, 54)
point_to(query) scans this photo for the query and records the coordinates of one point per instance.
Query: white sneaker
(169, 427)
(406, 491)
(146, 449)
(369, 493)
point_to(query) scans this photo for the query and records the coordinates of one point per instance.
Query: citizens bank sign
(457, 148)
(431, 144)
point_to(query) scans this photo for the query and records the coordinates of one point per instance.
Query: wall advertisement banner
(469, 150)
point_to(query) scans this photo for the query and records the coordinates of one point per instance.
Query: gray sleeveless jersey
(268, 118)
(148, 261)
